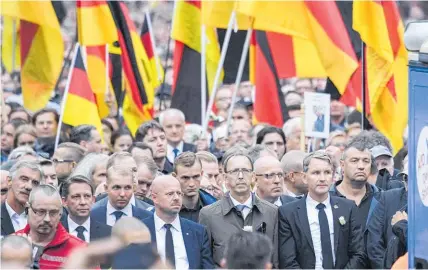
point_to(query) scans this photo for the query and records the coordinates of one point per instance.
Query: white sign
(422, 165)
(317, 115)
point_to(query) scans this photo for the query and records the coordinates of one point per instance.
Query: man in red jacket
(52, 244)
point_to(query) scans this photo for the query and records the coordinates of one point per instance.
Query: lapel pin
(336, 206)
(187, 233)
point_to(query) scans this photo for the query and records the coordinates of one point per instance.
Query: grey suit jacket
(221, 221)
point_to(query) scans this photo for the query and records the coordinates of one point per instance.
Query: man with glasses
(239, 210)
(23, 177)
(65, 159)
(3, 185)
(188, 171)
(269, 179)
(51, 242)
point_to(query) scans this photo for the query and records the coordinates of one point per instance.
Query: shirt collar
(132, 201)
(248, 202)
(12, 212)
(127, 210)
(73, 225)
(179, 147)
(159, 223)
(313, 204)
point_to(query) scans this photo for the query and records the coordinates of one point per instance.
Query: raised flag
(95, 23)
(80, 106)
(139, 89)
(42, 49)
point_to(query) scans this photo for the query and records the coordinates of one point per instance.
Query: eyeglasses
(235, 172)
(57, 161)
(42, 212)
(4, 191)
(271, 176)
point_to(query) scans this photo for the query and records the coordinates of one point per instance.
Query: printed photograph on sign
(317, 115)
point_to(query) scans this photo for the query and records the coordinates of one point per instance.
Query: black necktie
(169, 245)
(327, 255)
(80, 230)
(118, 215)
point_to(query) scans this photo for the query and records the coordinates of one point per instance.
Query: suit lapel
(187, 235)
(64, 222)
(94, 228)
(302, 215)
(6, 222)
(336, 209)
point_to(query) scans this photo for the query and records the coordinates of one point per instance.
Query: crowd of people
(168, 196)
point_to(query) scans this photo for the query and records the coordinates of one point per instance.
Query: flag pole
(219, 68)
(239, 76)
(14, 38)
(64, 98)
(203, 75)
(107, 59)
(363, 85)
(152, 39)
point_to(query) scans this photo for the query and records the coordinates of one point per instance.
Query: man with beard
(52, 244)
(153, 135)
(24, 176)
(65, 159)
(356, 165)
(180, 242)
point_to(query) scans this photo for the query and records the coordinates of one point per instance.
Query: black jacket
(397, 246)
(385, 181)
(296, 248)
(379, 230)
(6, 222)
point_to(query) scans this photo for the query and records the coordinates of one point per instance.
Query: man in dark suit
(78, 197)
(120, 188)
(173, 122)
(320, 231)
(24, 176)
(182, 243)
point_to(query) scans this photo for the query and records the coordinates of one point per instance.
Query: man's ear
(304, 180)
(64, 201)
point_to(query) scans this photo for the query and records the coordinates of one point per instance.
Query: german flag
(155, 70)
(95, 23)
(381, 29)
(318, 22)
(140, 93)
(96, 59)
(42, 49)
(80, 105)
(186, 31)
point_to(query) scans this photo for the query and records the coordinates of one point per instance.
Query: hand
(398, 216)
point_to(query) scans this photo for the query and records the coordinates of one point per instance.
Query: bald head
(292, 161)
(131, 230)
(266, 162)
(167, 197)
(164, 181)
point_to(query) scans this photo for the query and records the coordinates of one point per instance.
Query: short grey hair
(22, 151)
(122, 172)
(30, 164)
(47, 190)
(254, 152)
(207, 157)
(171, 111)
(87, 165)
(15, 242)
(113, 159)
(320, 154)
(292, 161)
(149, 163)
(290, 126)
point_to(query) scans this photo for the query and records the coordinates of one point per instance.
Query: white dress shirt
(73, 225)
(170, 151)
(278, 202)
(19, 221)
(314, 225)
(181, 260)
(248, 203)
(111, 219)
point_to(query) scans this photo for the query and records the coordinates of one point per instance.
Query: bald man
(180, 242)
(16, 252)
(4, 176)
(269, 179)
(292, 165)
